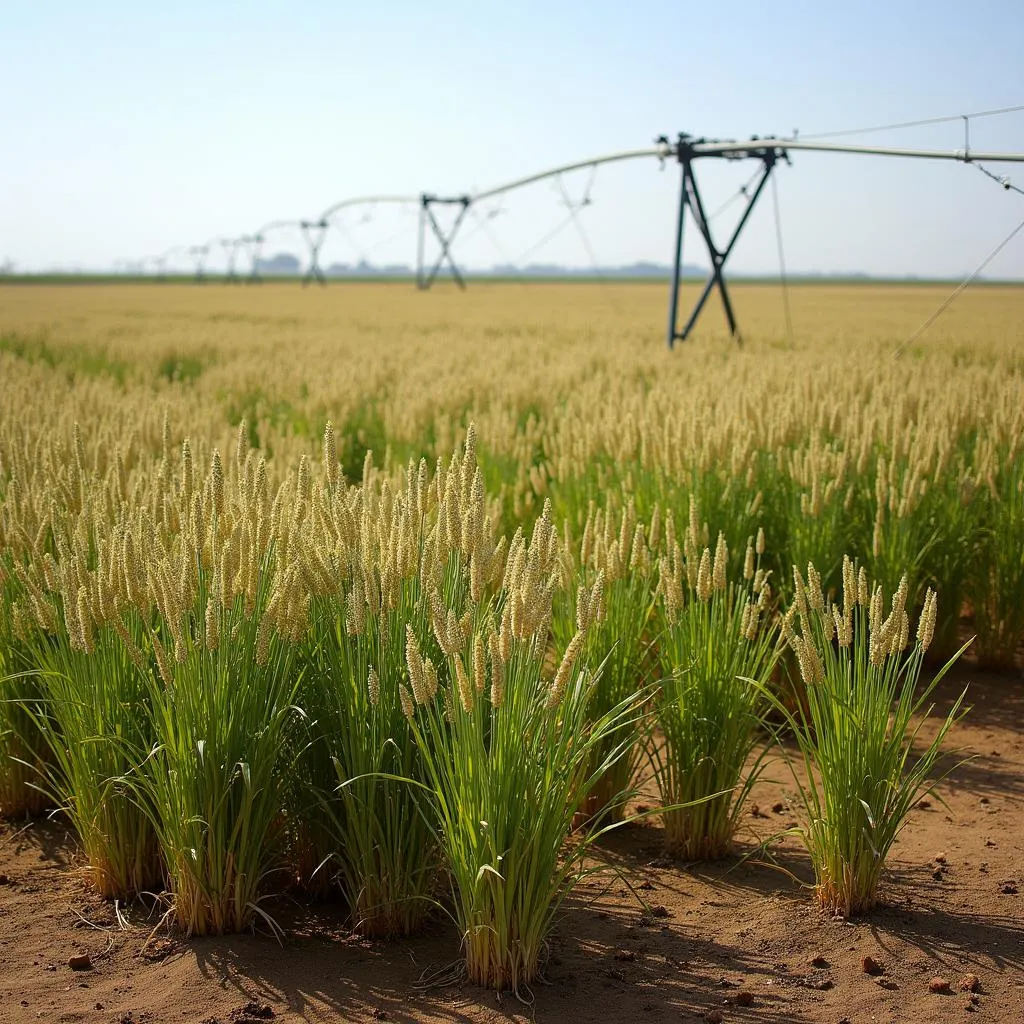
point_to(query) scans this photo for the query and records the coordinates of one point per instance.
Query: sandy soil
(710, 940)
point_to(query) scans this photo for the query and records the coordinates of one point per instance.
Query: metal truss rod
(365, 200)
(662, 152)
(753, 146)
(278, 225)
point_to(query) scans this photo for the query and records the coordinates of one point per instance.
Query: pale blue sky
(127, 128)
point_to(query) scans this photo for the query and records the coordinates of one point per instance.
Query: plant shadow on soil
(604, 965)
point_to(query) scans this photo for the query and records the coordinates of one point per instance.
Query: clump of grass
(508, 756)
(857, 734)
(23, 748)
(93, 713)
(365, 816)
(84, 699)
(614, 606)
(382, 847)
(997, 590)
(223, 713)
(716, 648)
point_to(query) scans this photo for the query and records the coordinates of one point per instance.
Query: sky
(130, 128)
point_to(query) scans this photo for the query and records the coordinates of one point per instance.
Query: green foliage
(93, 712)
(365, 818)
(178, 368)
(73, 360)
(859, 734)
(716, 648)
(506, 771)
(223, 714)
(996, 587)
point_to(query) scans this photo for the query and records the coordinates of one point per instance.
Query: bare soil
(740, 939)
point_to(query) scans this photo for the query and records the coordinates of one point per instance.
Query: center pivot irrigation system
(686, 150)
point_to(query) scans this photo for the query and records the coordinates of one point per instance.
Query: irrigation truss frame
(767, 151)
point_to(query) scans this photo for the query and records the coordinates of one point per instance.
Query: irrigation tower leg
(690, 197)
(677, 266)
(315, 232)
(423, 279)
(231, 248)
(254, 246)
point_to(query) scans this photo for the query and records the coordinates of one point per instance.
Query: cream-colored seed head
(212, 624)
(84, 622)
(926, 625)
(330, 455)
(718, 572)
(565, 668)
(217, 484)
(430, 680)
(414, 663)
(242, 444)
(799, 593)
(187, 472)
(464, 685)
(479, 663)
(815, 597)
(704, 587)
(406, 699)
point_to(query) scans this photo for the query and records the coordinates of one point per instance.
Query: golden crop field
(415, 584)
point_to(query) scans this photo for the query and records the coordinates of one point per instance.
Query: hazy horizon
(131, 131)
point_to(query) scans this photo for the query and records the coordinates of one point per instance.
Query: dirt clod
(779, 807)
(869, 965)
(969, 983)
(939, 985)
(744, 998)
(820, 961)
(80, 962)
(1008, 888)
(714, 1017)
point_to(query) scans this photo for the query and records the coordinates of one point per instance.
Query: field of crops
(406, 599)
